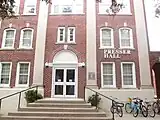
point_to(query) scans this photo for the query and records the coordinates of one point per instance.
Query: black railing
(97, 93)
(20, 93)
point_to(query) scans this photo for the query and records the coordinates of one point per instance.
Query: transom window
(67, 6)
(126, 38)
(30, 7)
(128, 74)
(104, 7)
(26, 38)
(8, 38)
(106, 38)
(108, 74)
(5, 74)
(23, 71)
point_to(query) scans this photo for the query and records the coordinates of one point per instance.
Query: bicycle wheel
(128, 108)
(120, 111)
(151, 111)
(144, 111)
(135, 112)
(155, 107)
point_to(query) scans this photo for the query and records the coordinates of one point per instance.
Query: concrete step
(57, 109)
(73, 101)
(62, 105)
(52, 118)
(59, 114)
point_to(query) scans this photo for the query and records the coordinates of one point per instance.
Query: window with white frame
(71, 34)
(5, 74)
(61, 35)
(108, 74)
(126, 38)
(26, 38)
(8, 38)
(30, 7)
(104, 7)
(23, 72)
(67, 6)
(106, 38)
(16, 6)
(128, 74)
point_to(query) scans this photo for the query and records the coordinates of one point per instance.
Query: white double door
(64, 84)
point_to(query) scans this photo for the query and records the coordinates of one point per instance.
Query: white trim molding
(131, 38)
(113, 74)
(112, 38)
(17, 75)
(10, 71)
(58, 35)
(32, 10)
(133, 75)
(21, 38)
(69, 35)
(4, 38)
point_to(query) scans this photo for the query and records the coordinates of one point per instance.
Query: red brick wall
(18, 55)
(117, 22)
(54, 21)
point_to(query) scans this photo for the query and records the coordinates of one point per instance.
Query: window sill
(131, 48)
(25, 14)
(21, 86)
(65, 14)
(24, 48)
(8, 49)
(106, 48)
(4, 86)
(109, 87)
(65, 43)
(107, 14)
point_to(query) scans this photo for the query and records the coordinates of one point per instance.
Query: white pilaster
(40, 44)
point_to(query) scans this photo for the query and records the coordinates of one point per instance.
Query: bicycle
(117, 108)
(150, 109)
(156, 106)
(136, 107)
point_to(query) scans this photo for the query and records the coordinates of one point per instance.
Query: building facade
(70, 44)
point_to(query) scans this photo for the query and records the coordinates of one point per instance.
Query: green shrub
(94, 100)
(32, 96)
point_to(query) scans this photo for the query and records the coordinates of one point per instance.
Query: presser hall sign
(116, 53)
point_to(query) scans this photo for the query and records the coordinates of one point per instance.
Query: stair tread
(60, 103)
(57, 108)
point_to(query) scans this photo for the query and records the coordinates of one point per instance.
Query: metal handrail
(97, 93)
(20, 92)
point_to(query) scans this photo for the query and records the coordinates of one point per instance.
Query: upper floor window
(104, 7)
(30, 7)
(26, 38)
(16, 6)
(108, 74)
(67, 6)
(128, 74)
(106, 38)
(61, 36)
(23, 72)
(126, 38)
(5, 74)
(8, 38)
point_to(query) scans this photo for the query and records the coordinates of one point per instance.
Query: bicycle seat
(119, 104)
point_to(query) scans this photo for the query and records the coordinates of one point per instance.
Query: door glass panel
(58, 89)
(59, 75)
(70, 89)
(71, 75)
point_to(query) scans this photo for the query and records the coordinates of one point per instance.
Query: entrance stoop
(57, 109)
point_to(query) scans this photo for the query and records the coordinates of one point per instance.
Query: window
(8, 38)
(23, 72)
(108, 74)
(30, 7)
(16, 6)
(126, 38)
(26, 38)
(71, 34)
(61, 35)
(104, 7)
(67, 6)
(106, 38)
(5, 74)
(128, 75)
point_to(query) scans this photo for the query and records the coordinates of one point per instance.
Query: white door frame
(65, 67)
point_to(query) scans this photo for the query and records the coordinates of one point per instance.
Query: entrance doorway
(65, 82)
(65, 74)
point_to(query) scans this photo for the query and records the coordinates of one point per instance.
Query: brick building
(70, 44)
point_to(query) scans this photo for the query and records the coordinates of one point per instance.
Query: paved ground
(139, 117)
